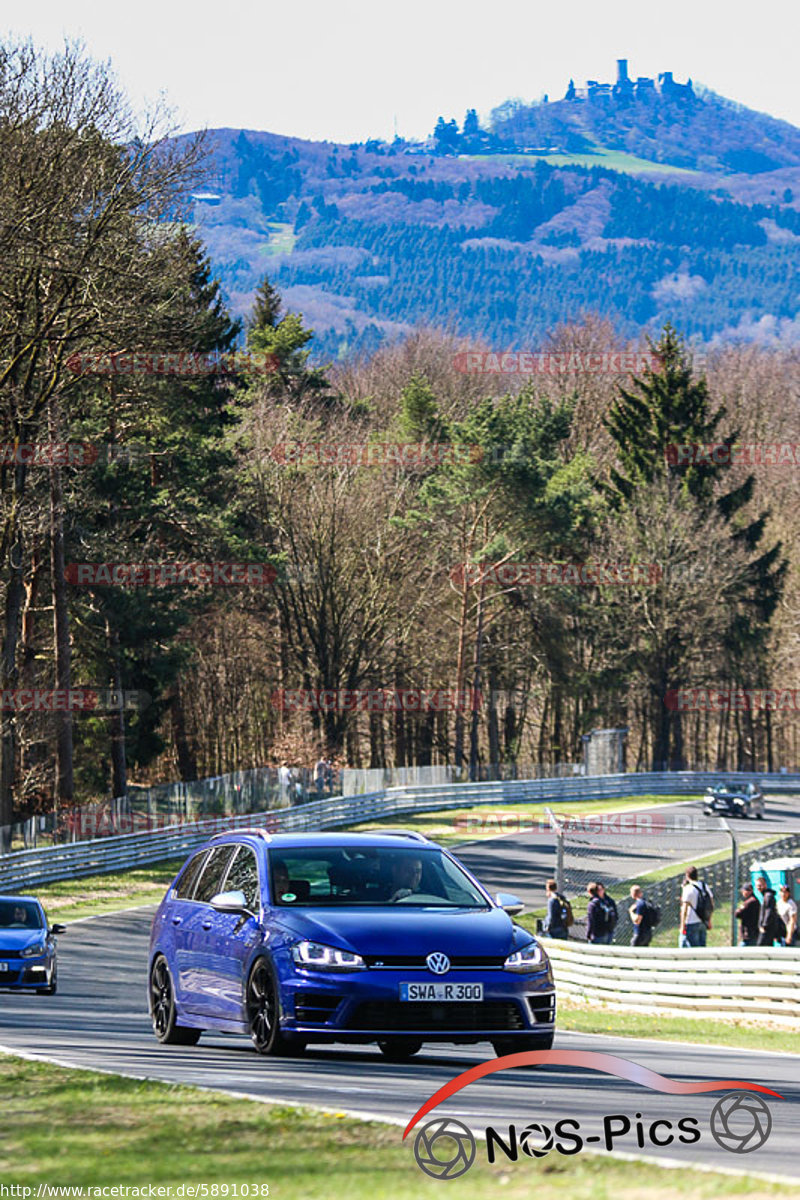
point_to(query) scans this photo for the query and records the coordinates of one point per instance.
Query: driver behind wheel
(406, 878)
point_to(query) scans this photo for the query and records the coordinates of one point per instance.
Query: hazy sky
(347, 71)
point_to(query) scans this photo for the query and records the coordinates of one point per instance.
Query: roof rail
(414, 834)
(249, 830)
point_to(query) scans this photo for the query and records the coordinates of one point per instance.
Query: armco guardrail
(758, 981)
(25, 868)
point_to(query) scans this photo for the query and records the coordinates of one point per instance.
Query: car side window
(214, 873)
(185, 885)
(243, 877)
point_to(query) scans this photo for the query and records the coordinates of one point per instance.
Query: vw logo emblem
(438, 963)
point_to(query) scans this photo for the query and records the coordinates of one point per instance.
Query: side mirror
(231, 902)
(510, 904)
(58, 929)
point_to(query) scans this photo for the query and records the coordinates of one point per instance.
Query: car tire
(262, 1003)
(52, 986)
(399, 1049)
(515, 1045)
(163, 1013)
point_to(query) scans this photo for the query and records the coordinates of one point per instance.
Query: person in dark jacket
(748, 914)
(642, 929)
(768, 916)
(554, 921)
(601, 915)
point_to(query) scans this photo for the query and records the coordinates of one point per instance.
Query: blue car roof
(350, 840)
(19, 896)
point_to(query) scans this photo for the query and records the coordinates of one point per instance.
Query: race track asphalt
(624, 847)
(99, 1019)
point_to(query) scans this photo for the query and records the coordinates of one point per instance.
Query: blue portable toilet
(779, 871)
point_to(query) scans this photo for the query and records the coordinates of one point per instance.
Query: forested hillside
(491, 240)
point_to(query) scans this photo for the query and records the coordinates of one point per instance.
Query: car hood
(20, 939)
(729, 796)
(402, 930)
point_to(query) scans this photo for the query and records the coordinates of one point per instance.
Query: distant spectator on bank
(768, 927)
(697, 907)
(320, 772)
(787, 911)
(601, 915)
(638, 911)
(747, 915)
(285, 782)
(555, 922)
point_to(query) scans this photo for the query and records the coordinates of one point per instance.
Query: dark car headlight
(530, 958)
(33, 951)
(325, 958)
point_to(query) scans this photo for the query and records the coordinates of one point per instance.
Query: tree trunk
(64, 783)
(13, 611)
(119, 775)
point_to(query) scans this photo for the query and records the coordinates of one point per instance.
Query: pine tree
(666, 409)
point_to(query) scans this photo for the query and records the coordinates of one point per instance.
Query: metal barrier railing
(25, 868)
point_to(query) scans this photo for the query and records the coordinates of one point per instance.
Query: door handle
(177, 920)
(206, 925)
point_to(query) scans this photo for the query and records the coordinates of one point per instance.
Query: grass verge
(580, 1018)
(82, 1129)
(69, 899)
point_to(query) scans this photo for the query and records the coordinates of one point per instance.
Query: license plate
(441, 991)
(3, 966)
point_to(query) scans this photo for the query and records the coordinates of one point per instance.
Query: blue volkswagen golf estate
(325, 937)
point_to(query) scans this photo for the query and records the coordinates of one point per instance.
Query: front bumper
(365, 1005)
(25, 972)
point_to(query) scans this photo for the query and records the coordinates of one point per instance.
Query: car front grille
(10, 954)
(437, 1017)
(416, 962)
(7, 977)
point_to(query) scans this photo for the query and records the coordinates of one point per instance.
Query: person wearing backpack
(559, 912)
(771, 927)
(644, 916)
(697, 908)
(601, 915)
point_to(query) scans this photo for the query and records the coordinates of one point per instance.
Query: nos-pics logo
(445, 1148)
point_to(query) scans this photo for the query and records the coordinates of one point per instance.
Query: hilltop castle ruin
(626, 89)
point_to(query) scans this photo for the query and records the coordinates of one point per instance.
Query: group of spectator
(764, 922)
(768, 920)
(290, 782)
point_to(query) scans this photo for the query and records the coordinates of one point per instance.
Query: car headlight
(325, 958)
(530, 958)
(33, 951)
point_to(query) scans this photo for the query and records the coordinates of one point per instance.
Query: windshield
(20, 914)
(344, 876)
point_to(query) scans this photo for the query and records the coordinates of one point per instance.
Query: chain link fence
(654, 850)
